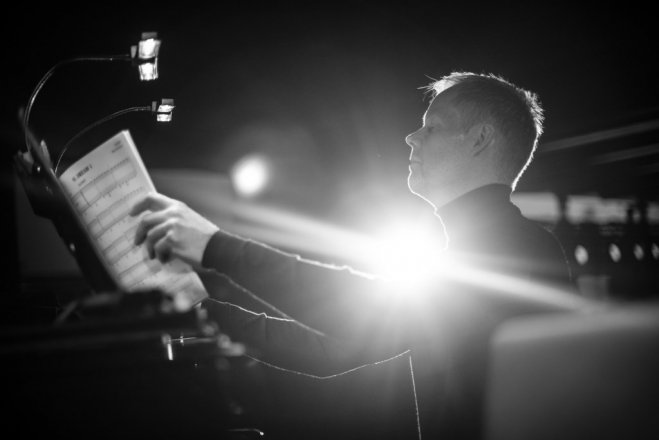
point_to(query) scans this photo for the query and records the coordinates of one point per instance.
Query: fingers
(151, 202)
(147, 223)
(170, 229)
(157, 233)
(163, 247)
(153, 240)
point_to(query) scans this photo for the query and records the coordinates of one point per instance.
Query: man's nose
(412, 140)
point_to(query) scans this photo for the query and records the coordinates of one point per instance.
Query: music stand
(48, 200)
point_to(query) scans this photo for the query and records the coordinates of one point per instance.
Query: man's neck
(443, 196)
(475, 208)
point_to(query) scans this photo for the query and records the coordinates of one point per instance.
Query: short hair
(516, 114)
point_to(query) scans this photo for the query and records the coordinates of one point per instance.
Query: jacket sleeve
(288, 344)
(339, 302)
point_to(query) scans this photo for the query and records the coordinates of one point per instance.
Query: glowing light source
(615, 253)
(163, 113)
(581, 255)
(407, 254)
(148, 46)
(145, 55)
(639, 253)
(167, 342)
(163, 110)
(148, 71)
(250, 175)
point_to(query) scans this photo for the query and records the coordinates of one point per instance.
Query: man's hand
(170, 229)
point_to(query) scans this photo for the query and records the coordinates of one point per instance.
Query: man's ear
(484, 137)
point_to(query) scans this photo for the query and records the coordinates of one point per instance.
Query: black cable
(95, 124)
(42, 82)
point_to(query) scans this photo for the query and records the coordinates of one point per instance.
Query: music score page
(103, 187)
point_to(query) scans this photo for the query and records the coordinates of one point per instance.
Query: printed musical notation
(106, 219)
(103, 186)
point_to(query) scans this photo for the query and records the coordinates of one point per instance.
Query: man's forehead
(441, 107)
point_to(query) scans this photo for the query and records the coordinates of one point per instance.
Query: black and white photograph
(336, 221)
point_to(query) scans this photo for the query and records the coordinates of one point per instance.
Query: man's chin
(415, 185)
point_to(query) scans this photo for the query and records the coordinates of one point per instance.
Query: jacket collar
(476, 210)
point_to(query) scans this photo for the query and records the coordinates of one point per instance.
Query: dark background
(329, 92)
(344, 74)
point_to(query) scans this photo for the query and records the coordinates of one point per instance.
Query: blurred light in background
(581, 255)
(538, 206)
(595, 209)
(615, 253)
(276, 161)
(544, 207)
(250, 175)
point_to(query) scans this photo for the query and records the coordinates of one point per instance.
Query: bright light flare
(250, 175)
(424, 266)
(408, 255)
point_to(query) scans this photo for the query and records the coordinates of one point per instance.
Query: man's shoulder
(531, 247)
(536, 238)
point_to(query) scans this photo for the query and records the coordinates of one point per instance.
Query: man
(477, 137)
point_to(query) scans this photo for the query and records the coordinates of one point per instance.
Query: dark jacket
(512, 267)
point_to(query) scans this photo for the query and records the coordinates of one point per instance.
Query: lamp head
(163, 109)
(145, 55)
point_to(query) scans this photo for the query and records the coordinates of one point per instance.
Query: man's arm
(338, 301)
(289, 344)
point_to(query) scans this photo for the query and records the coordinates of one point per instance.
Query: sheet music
(103, 186)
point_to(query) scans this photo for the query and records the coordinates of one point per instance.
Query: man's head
(478, 129)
